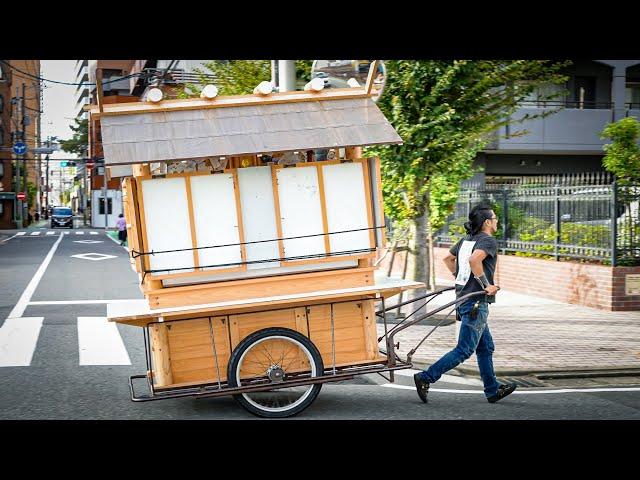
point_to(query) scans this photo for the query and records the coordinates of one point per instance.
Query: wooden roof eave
(226, 101)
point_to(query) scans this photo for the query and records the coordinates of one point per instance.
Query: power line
(105, 82)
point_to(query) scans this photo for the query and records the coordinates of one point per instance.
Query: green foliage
(444, 111)
(239, 77)
(233, 77)
(31, 194)
(303, 70)
(79, 143)
(622, 155)
(65, 197)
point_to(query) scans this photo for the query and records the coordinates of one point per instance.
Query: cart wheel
(269, 357)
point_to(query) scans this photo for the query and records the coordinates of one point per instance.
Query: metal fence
(597, 222)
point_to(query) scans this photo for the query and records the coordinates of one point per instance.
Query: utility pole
(106, 203)
(18, 136)
(25, 205)
(84, 194)
(46, 191)
(287, 75)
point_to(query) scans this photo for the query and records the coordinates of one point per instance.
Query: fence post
(556, 212)
(614, 224)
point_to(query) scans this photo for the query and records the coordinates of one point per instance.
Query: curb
(618, 371)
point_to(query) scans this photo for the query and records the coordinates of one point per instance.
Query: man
(473, 262)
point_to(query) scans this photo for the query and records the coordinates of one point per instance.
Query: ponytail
(477, 217)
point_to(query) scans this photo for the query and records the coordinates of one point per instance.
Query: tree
(79, 143)
(233, 77)
(622, 155)
(446, 111)
(239, 77)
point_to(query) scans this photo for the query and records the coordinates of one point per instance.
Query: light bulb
(209, 92)
(154, 95)
(263, 88)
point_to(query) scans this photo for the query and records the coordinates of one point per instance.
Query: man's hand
(492, 289)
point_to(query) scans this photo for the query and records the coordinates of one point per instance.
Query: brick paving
(534, 335)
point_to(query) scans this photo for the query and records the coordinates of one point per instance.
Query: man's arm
(450, 262)
(475, 261)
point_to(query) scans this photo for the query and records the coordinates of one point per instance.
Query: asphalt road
(57, 382)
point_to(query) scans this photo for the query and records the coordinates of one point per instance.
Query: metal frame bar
(337, 373)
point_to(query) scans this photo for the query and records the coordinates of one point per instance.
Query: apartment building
(599, 92)
(21, 100)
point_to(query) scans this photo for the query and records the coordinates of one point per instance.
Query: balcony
(576, 128)
(116, 83)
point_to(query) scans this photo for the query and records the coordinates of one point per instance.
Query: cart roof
(241, 125)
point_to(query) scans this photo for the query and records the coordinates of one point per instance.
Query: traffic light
(67, 164)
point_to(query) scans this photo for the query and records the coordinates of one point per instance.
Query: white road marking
(524, 392)
(88, 241)
(79, 233)
(93, 233)
(20, 233)
(78, 302)
(18, 340)
(100, 343)
(19, 308)
(51, 233)
(96, 257)
(35, 233)
(7, 239)
(445, 378)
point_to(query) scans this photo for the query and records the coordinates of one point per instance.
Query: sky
(58, 102)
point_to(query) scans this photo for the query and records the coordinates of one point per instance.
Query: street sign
(21, 196)
(19, 148)
(89, 165)
(43, 150)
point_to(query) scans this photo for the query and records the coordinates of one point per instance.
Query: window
(632, 95)
(584, 92)
(101, 206)
(1, 169)
(548, 95)
(1, 103)
(61, 211)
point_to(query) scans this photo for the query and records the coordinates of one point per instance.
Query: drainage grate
(522, 381)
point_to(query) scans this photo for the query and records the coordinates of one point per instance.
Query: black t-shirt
(465, 281)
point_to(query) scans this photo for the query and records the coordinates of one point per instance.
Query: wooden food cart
(255, 259)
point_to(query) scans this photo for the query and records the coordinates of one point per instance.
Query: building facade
(568, 141)
(21, 99)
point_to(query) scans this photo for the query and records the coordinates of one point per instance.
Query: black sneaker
(503, 391)
(422, 386)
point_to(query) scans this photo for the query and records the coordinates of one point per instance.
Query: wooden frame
(138, 196)
(228, 101)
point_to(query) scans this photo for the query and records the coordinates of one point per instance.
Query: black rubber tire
(246, 343)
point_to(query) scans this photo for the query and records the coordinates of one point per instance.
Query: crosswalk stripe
(20, 233)
(18, 339)
(79, 233)
(100, 343)
(51, 233)
(35, 233)
(93, 233)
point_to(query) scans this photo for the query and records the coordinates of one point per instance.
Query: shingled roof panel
(243, 130)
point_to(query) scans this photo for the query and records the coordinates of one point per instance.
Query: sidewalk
(535, 335)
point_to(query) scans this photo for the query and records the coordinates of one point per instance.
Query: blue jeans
(474, 337)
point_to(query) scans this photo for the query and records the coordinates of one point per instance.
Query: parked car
(61, 217)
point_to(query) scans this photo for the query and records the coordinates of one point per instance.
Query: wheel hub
(275, 373)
